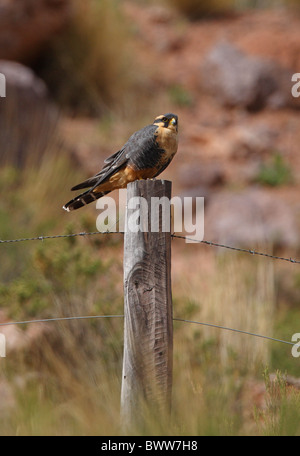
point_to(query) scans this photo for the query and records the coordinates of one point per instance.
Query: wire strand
(42, 320)
(84, 317)
(238, 249)
(56, 236)
(199, 241)
(235, 330)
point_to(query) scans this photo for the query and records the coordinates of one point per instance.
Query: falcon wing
(112, 163)
(139, 143)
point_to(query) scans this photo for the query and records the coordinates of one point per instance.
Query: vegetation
(71, 373)
(87, 66)
(180, 96)
(275, 172)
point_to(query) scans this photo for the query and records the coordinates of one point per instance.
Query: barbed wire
(85, 317)
(238, 249)
(186, 238)
(174, 235)
(55, 236)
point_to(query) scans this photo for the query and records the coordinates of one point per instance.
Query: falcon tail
(83, 199)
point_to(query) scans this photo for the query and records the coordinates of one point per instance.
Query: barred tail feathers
(82, 200)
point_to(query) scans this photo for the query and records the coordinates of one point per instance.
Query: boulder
(28, 117)
(249, 218)
(249, 82)
(204, 175)
(27, 25)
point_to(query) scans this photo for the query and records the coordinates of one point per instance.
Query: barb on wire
(84, 317)
(55, 236)
(238, 249)
(199, 241)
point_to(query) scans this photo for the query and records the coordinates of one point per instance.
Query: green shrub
(180, 96)
(275, 172)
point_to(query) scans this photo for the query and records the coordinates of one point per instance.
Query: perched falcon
(145, 155)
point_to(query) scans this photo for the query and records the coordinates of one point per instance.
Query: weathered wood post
(148, 326)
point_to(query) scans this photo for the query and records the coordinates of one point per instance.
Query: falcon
(145, 155)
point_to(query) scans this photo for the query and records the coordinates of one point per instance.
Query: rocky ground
(237, 72)
(228, 79)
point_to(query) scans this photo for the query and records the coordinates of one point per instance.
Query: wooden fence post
(148, 325)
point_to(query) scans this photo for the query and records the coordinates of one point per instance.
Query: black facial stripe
(161, 121)
(166, 119)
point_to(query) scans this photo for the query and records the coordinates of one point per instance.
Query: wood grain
(148, 327)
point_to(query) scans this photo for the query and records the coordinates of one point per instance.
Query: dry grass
(87, 67)
(198, 9)
(68, 382)
(235, 292)
(246, 290)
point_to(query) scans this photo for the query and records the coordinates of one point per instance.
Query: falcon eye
(165, 119)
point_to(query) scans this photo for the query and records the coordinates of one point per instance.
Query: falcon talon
(146, 154)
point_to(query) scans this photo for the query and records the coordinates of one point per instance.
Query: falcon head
(169, 121)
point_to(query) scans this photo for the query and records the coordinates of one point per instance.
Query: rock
(27, 25)
(18, 340)
(203, 175)
(248, 82)
(160, 14)
(21, 78)
(250, 140)
(238, 141)
(249, 218)
(28, 117)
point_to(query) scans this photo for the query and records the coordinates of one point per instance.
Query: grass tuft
(276, 172)
(86, 67)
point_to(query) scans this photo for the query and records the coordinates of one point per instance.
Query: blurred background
(81, 77)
